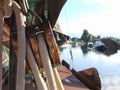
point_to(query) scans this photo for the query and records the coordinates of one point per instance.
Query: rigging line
(67, 23)
(70, 48)
(66, 14)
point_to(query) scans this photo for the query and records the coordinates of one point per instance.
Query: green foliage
(86, 36)
(81, 43)
(114, 39)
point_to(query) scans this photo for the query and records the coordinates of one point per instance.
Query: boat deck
(69, 81)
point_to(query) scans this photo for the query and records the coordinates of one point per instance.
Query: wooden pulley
(7, 6)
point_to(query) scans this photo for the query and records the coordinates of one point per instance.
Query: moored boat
(89, 77)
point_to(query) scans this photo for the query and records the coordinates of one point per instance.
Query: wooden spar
(87, 82)
(58, 80)
(46, 62)
(54, 52)
(35, 70)
(1, 32)
(24, 6)
(50, 39)
(12, 66)
(20, 77)
(34, 47)
(92, 75)
(7, 8)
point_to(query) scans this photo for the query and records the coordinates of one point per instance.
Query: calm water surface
(107, 66)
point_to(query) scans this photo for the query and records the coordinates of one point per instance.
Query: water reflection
(108, 67)
(106, 52)
(111, 83)
(84, 49)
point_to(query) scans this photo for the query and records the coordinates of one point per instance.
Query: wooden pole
(12, 66)
(57, 79)
(20, 77)
(46, 62)
(7, 8)
(35, 70)
(54, 52)
(1, 32)
(50, 40)
(24, 6)
(34, 47)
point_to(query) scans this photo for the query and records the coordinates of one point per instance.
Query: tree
(85, 35)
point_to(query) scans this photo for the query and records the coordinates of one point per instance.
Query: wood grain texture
(1, 32)
(35, 70)
(46, 62)
(20, 77)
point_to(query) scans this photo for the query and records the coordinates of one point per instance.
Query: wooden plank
(69, 81)
(1, 32)
(92, 75)
(46, 62)
(58, 80)
(24, 6)
(12, 66)
(87, 82)
(50, 39)
(34, 47)
(35, 70)
(7, 8)
(20, 77)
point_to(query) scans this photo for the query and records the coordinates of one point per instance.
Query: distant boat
(106, 46)
(89, 77)
(90, 45)
(100, 46)
(66, 45)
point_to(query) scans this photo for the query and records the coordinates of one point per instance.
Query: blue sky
(99, 17)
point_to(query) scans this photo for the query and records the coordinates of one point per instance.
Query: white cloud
(110, 83)
(106, 21)
(87, 1)
(113, 3)
(109, 2)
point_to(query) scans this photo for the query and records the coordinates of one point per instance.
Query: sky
(99, 17)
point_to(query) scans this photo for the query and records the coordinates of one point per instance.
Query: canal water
(108, 67)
